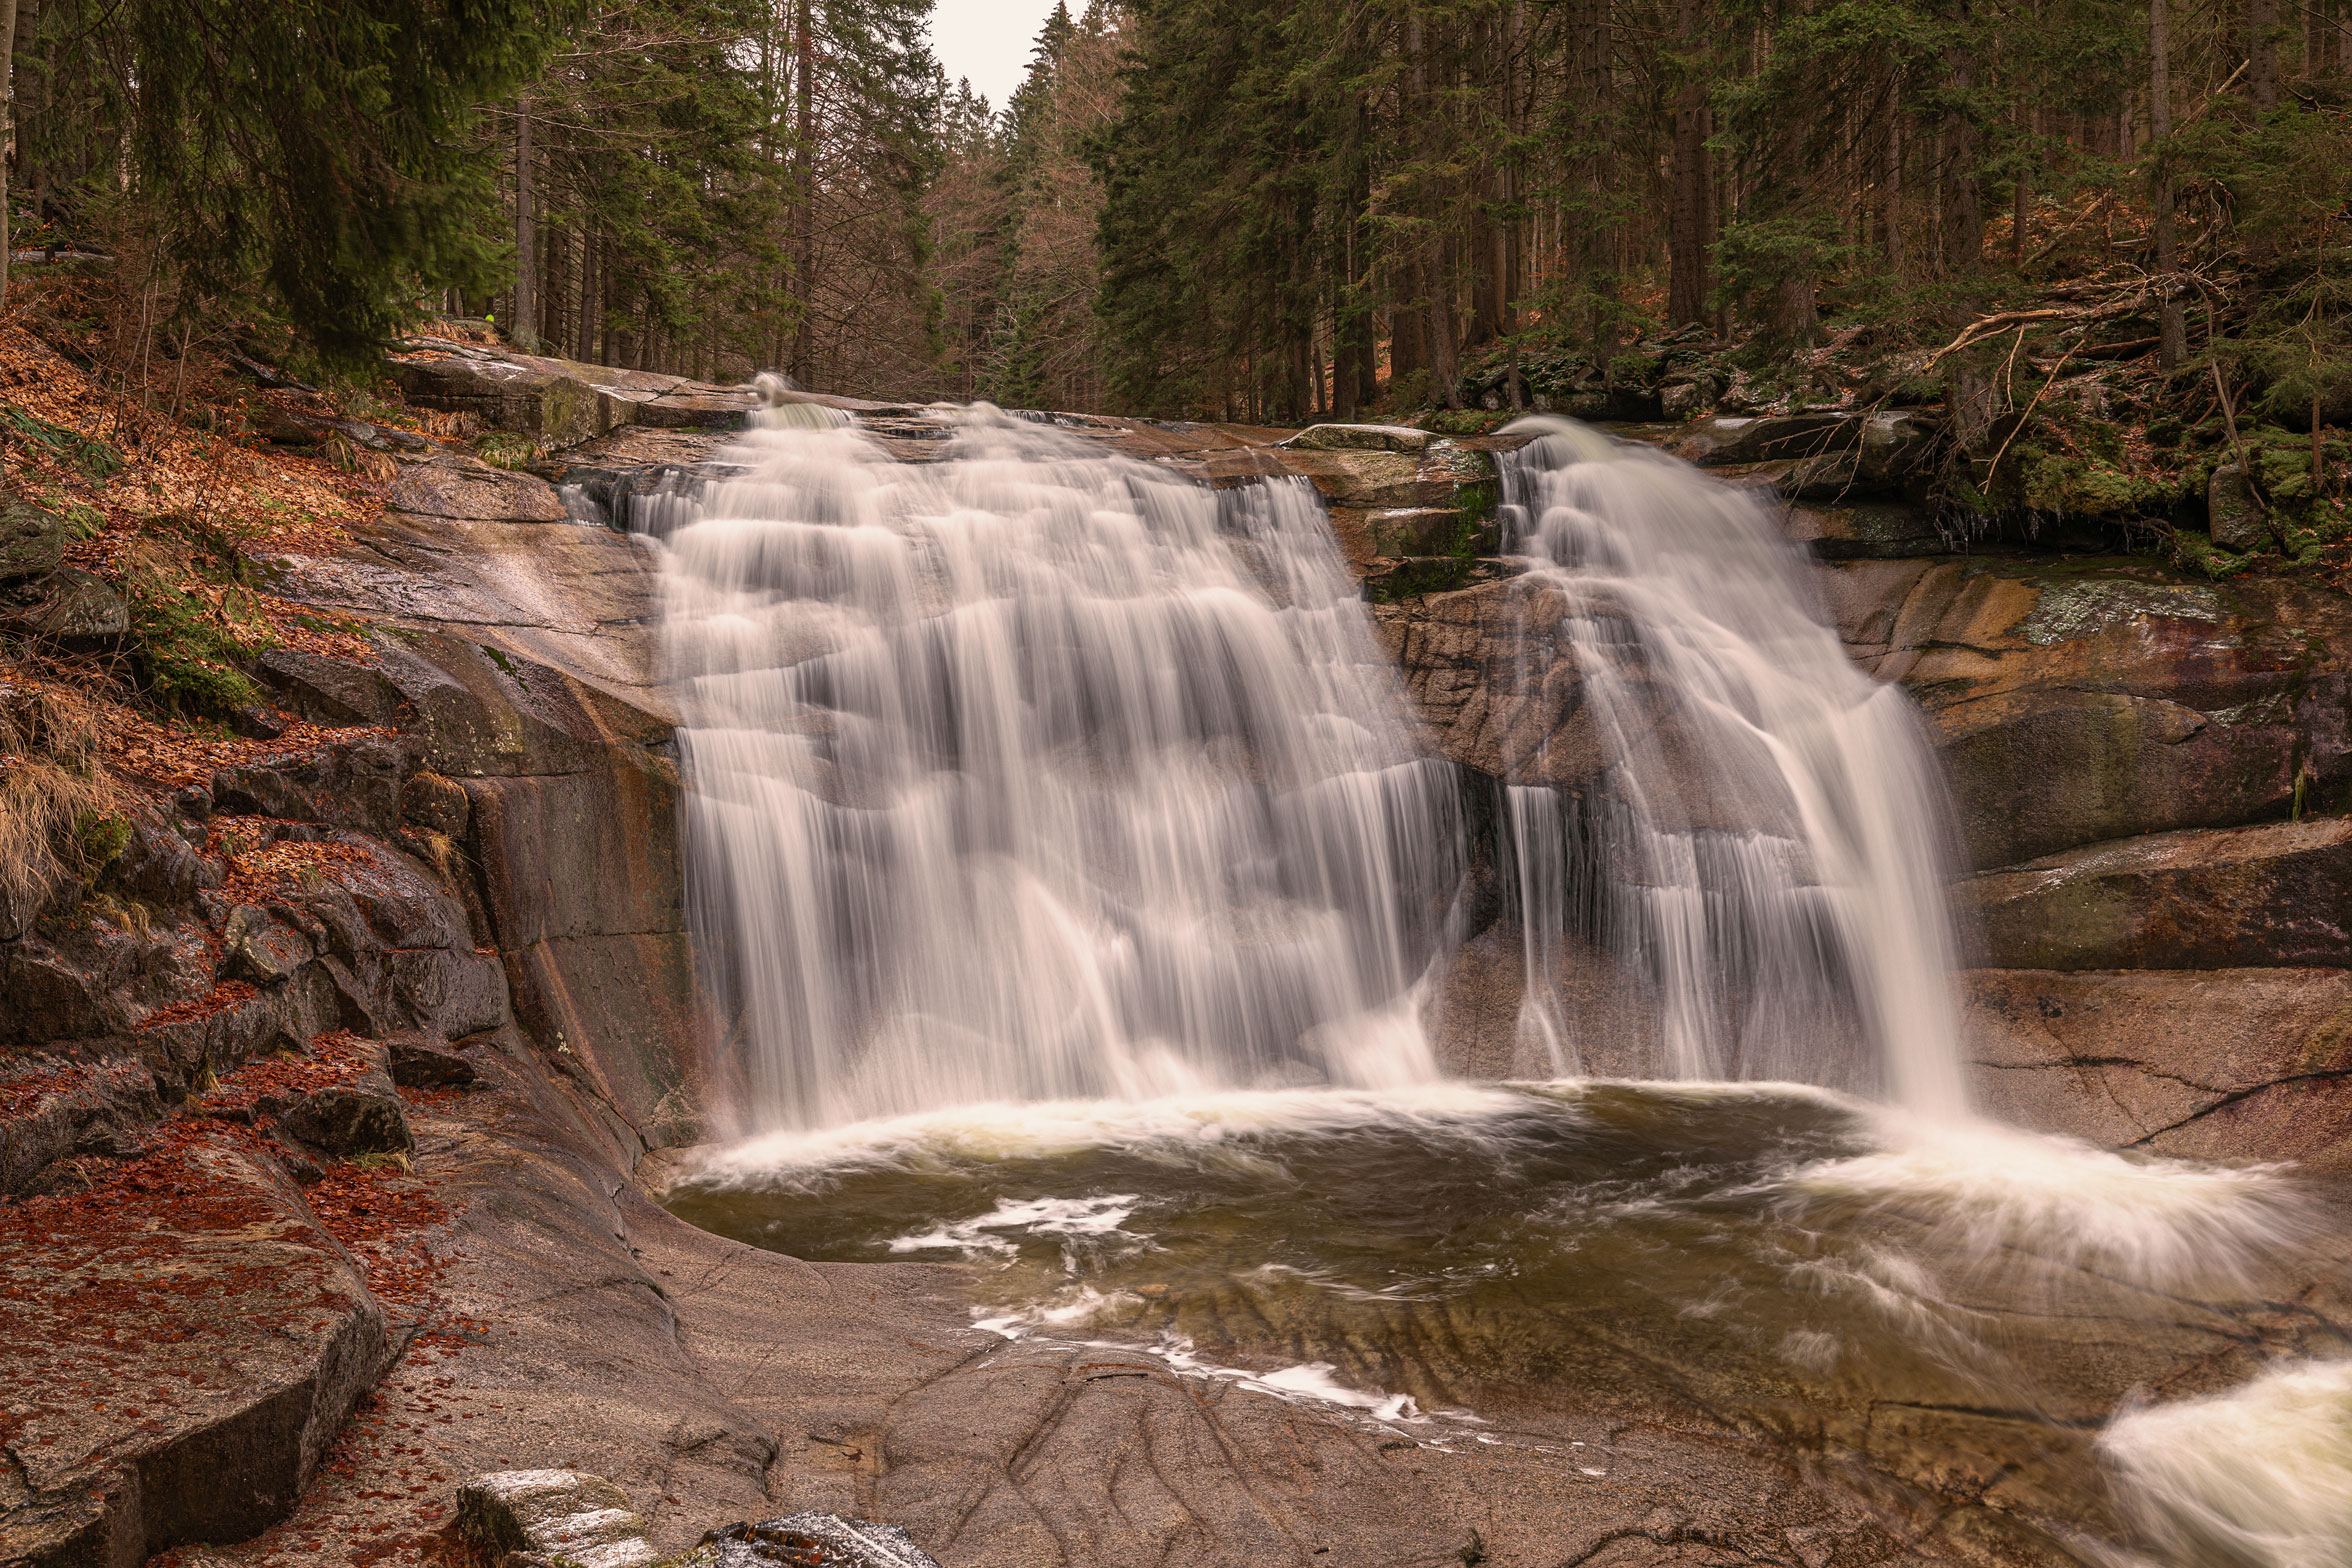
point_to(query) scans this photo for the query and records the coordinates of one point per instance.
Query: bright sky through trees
(988, 41)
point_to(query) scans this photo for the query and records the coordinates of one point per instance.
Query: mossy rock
(32, 541)
(2073, 487)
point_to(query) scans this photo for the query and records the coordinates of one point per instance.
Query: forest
(1262, 210)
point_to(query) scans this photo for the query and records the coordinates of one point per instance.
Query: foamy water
(2260, 1476)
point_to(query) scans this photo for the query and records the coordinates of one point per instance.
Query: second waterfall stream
(1075, 895)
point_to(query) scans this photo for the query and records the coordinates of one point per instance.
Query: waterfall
(1760, 844)
(1028, 771)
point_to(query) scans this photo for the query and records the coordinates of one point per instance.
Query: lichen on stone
(2074, 610)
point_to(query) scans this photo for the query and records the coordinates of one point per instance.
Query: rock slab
(559, 1516)
(809, 1540)
(2257, 897)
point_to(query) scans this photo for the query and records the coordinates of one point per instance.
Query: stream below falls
(1070, 880)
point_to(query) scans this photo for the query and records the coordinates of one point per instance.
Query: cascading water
(1761, 843)
(1033, 772)
(1063, 865)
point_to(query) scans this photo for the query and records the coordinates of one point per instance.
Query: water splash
(1761, 842)
(2258, 1477)
(1033, 772)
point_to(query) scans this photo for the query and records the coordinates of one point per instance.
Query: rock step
(183, 1345)
(2213, 898)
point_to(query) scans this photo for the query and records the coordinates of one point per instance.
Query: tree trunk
(1795, 316)
(524, 329)
(7, 133)
(2172, 332)
(1686, 289)
(1444, 360)
(2021, 199)
(1406, 354)
(1972, 399)
(1891, 180)
(1963, 201)
(2262, 70)
(591, 298)
(804, 216)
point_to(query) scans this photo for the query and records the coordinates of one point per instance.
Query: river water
(1073, 886)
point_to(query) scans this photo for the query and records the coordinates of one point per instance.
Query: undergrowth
(195, 619)
(59, 816)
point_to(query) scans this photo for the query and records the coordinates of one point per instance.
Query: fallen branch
(2039, 394)
(1984, 326)
(2229, 421)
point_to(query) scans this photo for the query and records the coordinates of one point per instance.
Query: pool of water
(1958, 1306)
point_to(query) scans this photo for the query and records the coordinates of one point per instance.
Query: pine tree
(324, 151)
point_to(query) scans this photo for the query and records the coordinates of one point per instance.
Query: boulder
(420, 1064)
(561, 1515)
(802, 1539)
(1680, 400)
(362, 1116)
(1727, 440)
(693, 407)
(328, 691)
(2256, 897)
(45, 998)
(61, 1109)
(258, 947)
(1368, 534)
(198, 1402)
(474, 491)
(1372, 478)
(32, 541)
(69, 607)
(1892, 450)
(554, 409)
(2235, 519)
(158, 867)
(1359, 438)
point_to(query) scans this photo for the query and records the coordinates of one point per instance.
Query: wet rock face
(2213, 1064)
(353, 783)
(2074, 704)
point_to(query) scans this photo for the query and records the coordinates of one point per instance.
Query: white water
(1764, 847)
(2258, 1477)
(1034, 772)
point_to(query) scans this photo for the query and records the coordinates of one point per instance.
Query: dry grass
(56, 800)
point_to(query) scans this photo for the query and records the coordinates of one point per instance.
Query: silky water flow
(1760, 839)
(1066, 868)
(1032, 773)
